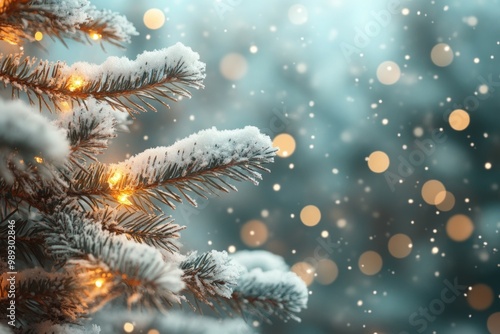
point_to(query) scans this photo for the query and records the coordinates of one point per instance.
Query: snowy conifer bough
(89, 233)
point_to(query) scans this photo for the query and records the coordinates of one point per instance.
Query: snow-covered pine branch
(42, 296)
(89, 131)
(126, 85)
(31, 148)
(211, 275)
(199, 164)
(70, 19)
(153, 230)
(125, 267)
(268, 289)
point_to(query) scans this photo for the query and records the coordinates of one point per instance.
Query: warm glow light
(39, 160)
(378, 162)
(442, 55)
(370, 263)
(75, 83)
(38, 36)
(480, 297)
(448, 203)
(95, 35)
(254, 233)
(433, 192)
(310, 215)
(114, 179)
(459, 119)
(388, 73)
(233, 66)
(99, 283)
(128, 327)
(459, 227)
(400, 245)
(285, 144)
(154, 18)
(326, 271)
(123, 199)
(494, 323)
(305, 271)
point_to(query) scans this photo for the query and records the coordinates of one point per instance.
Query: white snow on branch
(118, 24)
(285, 289)
(260, 259)
(204, 148)
(118, 68)
(26, 134)
(67, 13)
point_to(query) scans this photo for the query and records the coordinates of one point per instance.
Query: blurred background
(384, 196)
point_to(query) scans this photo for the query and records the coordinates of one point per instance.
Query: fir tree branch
(124, 84)
(41, 296)
(197, 164)
(210, 275)
(153, 230)
(75, 19)
(136, 270)
(270, 293)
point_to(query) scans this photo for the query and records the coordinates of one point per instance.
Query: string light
(95, 35)
(75, 83)
(123, 199)
(114, 179)
(39, 160)
(99, 282)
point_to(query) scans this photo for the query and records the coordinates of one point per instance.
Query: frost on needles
(90, 234)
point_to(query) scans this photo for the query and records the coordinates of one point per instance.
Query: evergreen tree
(79, 234)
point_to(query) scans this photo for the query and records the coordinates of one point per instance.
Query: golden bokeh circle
(459, 227)
(448, 203)
(480, 297)
(400, 245)
(305, 271)
(433, 192)
(442, 55)
(254, 233)
(285, 144)
(326, 271)
(388, 73)
(233, 66)
(310, 215)
(378, 162)
(494, 323)
(370, 263)
(154, 18)
(459, 119)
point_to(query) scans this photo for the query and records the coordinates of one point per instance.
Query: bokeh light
(494, 323)
(305, 271)
(370, 263)
(154, 18)
(285, 144)
(459, 227)
(310, 215)
(480, 297)
(388, 73)
(254, 233)
(459, 119)
(326, 271)
(400, 245)
(378, 162)
(442, 55)
(297, 14)
(233, 66)
(433, 192)
(448, 203)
